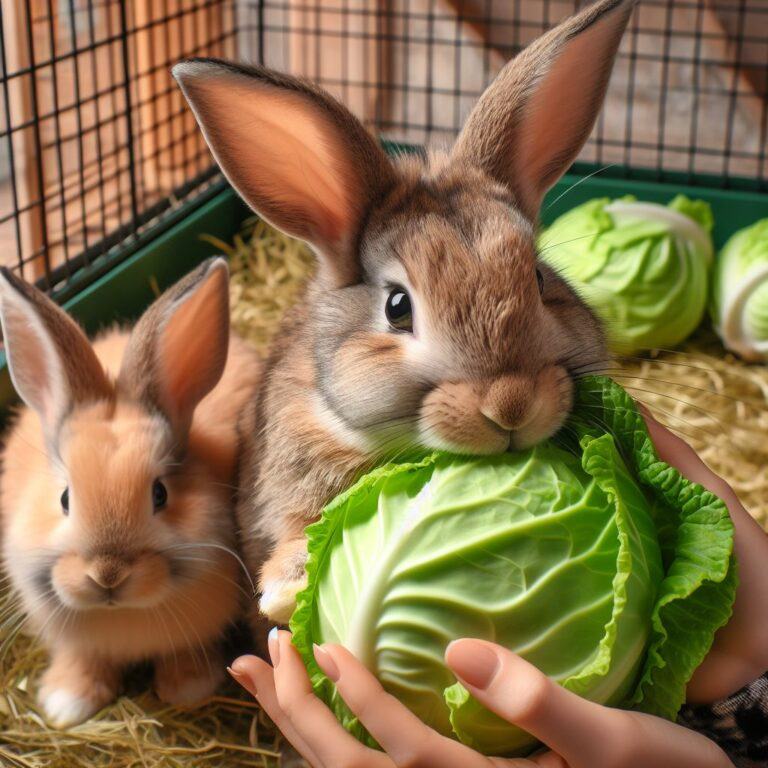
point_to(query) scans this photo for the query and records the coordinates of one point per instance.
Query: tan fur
(490, 361)
(172, 595)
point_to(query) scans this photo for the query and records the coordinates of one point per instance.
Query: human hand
(740, 650)
(579, 733)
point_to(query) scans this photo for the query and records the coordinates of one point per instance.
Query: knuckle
(364, 707)
(534, 700)
(411, 758)
(417, 754)
(290, 704)
(353, 760)
(621, 749)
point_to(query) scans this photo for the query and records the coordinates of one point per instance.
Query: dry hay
(715, 401)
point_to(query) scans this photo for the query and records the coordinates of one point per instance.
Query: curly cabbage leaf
(587, 555)
(642, 267)
(739, 303)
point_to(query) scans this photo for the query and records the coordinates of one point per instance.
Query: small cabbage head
(586, 555)
(739, 302)
(642, 267)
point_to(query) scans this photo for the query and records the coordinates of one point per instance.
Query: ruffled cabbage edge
(696, 596)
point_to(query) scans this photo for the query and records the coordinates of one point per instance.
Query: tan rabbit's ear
(52, 364)
(298, 157)
(532, 121)
(177, 351)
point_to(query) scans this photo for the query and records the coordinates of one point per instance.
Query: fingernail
(239, 677)
(273, 643)
(326, 663)
(473, 661)
(242, 677)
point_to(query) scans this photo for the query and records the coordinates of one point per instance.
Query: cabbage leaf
(739, 300)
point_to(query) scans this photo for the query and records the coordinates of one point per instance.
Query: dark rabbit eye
(159, 495)
(65, 501)
(398, 310)
(540, 280)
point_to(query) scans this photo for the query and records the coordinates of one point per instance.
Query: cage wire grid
(96, 142)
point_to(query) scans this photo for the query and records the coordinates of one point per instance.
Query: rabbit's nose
(107, 573)
(507, 401)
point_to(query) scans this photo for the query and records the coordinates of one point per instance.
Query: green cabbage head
(643, 268)
(739, 304)
(586, 555)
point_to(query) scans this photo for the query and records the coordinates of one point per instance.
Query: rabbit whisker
(213, 545)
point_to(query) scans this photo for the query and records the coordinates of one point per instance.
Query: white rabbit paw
(64, 709)
(278, 600)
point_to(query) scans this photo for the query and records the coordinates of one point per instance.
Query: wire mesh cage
(96, 142)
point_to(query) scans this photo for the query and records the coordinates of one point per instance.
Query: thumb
(518, 692)
(584, 734)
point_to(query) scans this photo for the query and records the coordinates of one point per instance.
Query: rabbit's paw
(283, 576)
(189, 678)
(72, 691)
(64, 708)
(278, 598)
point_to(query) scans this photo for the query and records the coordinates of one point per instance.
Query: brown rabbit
(430, 322)
(117, 490)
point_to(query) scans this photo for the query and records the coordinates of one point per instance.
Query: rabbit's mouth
(108, 582)
(513, 412)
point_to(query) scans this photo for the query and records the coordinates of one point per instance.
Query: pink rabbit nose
(507, 401)
(107, 572)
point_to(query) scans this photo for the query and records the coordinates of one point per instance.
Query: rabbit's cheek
(148, 584)
(371, 383)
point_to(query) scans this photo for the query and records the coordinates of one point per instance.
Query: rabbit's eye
(540, 280)
(159, 495)
(65, 501)
(398, 310)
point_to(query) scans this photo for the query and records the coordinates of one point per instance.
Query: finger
(405, 738)
(257, 677)
(516, 691)
(313, 721)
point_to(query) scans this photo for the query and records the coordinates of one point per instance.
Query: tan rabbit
(117, 490)
(430, 322)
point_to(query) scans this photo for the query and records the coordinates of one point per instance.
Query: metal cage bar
(96, 139)
(96, 142)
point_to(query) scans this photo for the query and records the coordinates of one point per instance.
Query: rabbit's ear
(177, 351)
(532, 121)
(52, 364)
(298, 157)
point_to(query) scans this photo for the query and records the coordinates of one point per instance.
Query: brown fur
(111, 582)
(491, 360)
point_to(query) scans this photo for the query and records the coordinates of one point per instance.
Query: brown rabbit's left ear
(532, 121)
(52, 364)
(297, 156)
(177, 351)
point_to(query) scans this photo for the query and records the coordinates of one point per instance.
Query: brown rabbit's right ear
(298, 157)
(51, 361)
(177, 351)
(532, 121)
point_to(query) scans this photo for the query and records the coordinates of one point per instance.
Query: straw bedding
(715, 401)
